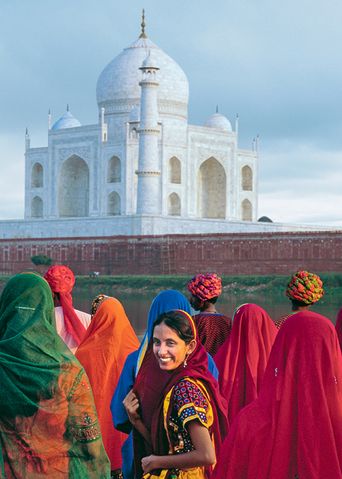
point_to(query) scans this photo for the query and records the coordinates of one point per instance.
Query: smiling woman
(189, 421)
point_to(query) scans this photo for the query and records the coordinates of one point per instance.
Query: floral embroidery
(86, 430)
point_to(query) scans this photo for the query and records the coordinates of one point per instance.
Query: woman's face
(169, 349)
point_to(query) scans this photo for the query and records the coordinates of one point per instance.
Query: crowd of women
(201, 396)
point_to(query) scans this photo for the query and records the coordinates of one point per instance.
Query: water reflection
(137, 304)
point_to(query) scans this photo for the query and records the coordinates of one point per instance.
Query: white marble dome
(119, 81)
(219, 122)
(66, 121)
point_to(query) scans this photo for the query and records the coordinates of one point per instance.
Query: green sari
(48, 421)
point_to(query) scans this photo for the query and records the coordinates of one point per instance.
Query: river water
(137, 304)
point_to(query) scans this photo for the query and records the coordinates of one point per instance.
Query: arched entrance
(246, 210)
(114, 204)
(73, 188)
(37, 176)
(174, 205)
(212, 190)
(37, 207)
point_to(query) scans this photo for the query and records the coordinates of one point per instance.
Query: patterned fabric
(205, 286)
(279, 322)
(305, 287)
(153, 385)
(187, 401)
(213, 329)
(46, 420)
(97, 302)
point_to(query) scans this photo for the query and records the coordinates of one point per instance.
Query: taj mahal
(141, 169)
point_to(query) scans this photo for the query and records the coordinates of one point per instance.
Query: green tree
(41, 259)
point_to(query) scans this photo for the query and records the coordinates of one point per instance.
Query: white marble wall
(137, 225)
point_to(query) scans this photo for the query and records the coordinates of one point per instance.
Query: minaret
(104, 126)
(49, 119)
(27, 140)
(149, 187)
(237, 125)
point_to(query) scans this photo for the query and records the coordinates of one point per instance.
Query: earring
(185, 363)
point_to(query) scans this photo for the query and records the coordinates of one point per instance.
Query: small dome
(265, 219)
(219, 122)
(135, 113)
(66, 121)
(150, 61)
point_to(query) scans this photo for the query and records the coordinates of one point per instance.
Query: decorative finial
(67, 106)
(216, 108)
(143, 34)
(26, 131)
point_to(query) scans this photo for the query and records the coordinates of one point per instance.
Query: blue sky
(277, 64)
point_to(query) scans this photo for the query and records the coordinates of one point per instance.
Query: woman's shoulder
(190, 400)
(189, 391)
(71, 374)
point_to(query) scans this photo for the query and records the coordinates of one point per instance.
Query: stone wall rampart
(249, 253)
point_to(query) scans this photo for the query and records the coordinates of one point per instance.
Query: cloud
(276, 64)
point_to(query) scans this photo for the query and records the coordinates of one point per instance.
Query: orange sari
(108, 341)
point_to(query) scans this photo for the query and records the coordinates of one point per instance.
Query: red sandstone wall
(263, 253)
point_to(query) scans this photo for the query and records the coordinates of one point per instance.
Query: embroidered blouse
(189, 401)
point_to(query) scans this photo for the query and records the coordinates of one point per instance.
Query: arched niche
(175, 170)
(114, 204)
(212, 190)
(174, 205)
(246, 210)
(73, 188)
(114, 170)
(37, 176)
(247, 178)
(37, 207)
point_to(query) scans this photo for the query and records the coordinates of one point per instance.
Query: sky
(277, 64)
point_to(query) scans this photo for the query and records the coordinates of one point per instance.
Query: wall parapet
(235, 253)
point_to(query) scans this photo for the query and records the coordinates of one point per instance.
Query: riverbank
(272, 284)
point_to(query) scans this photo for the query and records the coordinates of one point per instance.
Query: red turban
(205, 286)
(305, 287)
(61, 280)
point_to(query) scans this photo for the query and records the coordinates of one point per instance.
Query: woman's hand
(149, 463)
(131, 404)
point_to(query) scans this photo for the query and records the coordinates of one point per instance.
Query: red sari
(242, 359)
(294, 428)
(339, 326)
(108, 341)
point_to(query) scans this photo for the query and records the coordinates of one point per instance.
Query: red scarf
(339, 326)
(242, 359)
(152, 385)
(295, 425)
(61, 280)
